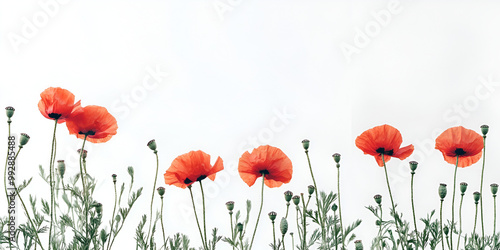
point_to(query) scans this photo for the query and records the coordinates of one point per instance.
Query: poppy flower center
(54, 116)
(265, 172)
(382, 151)
(459, 151)
(187, 181)
(201, 177)
(87, 133)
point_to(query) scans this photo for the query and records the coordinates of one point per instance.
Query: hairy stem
(260, 210)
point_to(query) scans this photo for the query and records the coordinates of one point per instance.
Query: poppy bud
(336, 157)
(310, 189)
(230, 205)
(413, 165)
(61, 168)
(305, 144)
(446, 230)
(334, 207)
(98, 208)
(476, 196)
(161, 191)
(484, 129)
(378, 222)
(296, 199)
(288, 196)
(283, 226)
(152, 145)
(23, 140)
(463, 187)
(239, 227)
(442, 190)
(378, 198)
(84, 155)
(103, 235)
(114, 178)
(272, 216)
(9, 111)
(118, 218)
(358, 245)
(494, 189)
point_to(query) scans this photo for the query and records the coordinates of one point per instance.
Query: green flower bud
(378, 222)
(413, 165)
(61, 168)
(23, 140)
(98, 208)
(446, 230)
(118, 218)
(358, 245)
(305, 144)
(476, 196)
(239, 227)
(84, 155)
(442, 190)
(378, 199)
(103, 235)
(161, 191)
(272, 216)
(114, 177)
(152, 145)
(463, 187)
(484, 129)
(334, 207)
(9, 111)
(296, 199)
(494, 188)
(310, 189)
(288, 196)
(336, 157)
(230, 205)
(283, 226)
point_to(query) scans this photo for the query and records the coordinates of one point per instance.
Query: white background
(225, 76)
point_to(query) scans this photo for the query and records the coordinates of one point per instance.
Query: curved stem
(196, 216)
(340, 209)
(320, 216)
(51, 184)
(417, 243)
(85, 201)
(152, 196)
(396, 216)
(260, 210)
(204, 220)
(453, 205)
(441, 222)
(475, 220)
(162, 227)
(112, 218)
(460, 219)
(481, 187)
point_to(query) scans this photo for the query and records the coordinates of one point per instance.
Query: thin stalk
(293, 242)
(260, 210)
(417, 243)
(85, 201)
(481, 187)
(274, 236)
(5, 178)
(204, 220)
(232, 228)
(460, 219)
(287, 206)
(51, 173)
(196, 216)
(340, 209)
(152, 196)
(453, 204)
(283, 241)
(441, 222)
(322, 224)
(298, 225)
(112, 218)
(161, 220)
(304, 234)
(335, 231)
(380, 227)
(475, 220)
(494, 214)
(392, 202)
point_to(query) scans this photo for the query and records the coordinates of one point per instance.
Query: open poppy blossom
(58, 103)
(464, 143)
(95, 122)
(191, 167)
(383, 139)
(267, 160)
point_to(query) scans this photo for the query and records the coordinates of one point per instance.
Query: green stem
(5, 179)
(196, 216)
(152, 197)
(335, 231)
(287, 206)
(293, 242)
(260, 210)
(304, 234)
(340, 209)
(204, 220)
(85, 201)
(274, 236)
(162, 227)
(320, 216)
(380, 227)
(481, 187)
(51, 184)
(460, 220)
(453, 204)
(494, 214)
(112, 218)
(417, 243)
(475, 220)
(232, 228)
(298, 225)
(283, 241)
(441, 222)
(396, 216)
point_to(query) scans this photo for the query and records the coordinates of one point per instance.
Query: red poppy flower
(95, 122)
(385, 140)
(267, 160)
(58, 103)
(464, 143)
(191, 167)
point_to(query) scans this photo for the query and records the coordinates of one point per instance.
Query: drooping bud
(272, 216)
(334, 207)
(305, 144)
(152, 145)
(239, 227)
(23, 140)
(442, 190)
(9, 111)
(61, 168)
(296, 200)
(161, 191)
(288, 196)
(230, 205)
(476, 196)
(378, 199)
(336, 157)
(463, 187)
(358, 245)
(413, 165)
(310, 189)
(485, 129)
(283, 226)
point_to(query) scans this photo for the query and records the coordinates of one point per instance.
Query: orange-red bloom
(267, 160)
(464, 143)
(385, 140)
(191, 167)
(95, 122)
(58, 103)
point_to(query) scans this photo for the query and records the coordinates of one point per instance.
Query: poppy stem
(494, 214)
(481, 187)
(417, 243)
(380, 227)
(441, 222)
(260, 210)
(232, 228)
(112, 218)
(51, 184)
(287, 207)
(460, 219)
(196, 216)
(5, 180)
(204, 220)
(340, 209)
(335, 231)
(162, 226)
(453, 205)
(274, 236)
(304, 238)
(298, 225)
(323, 235)
(396, 216)
(475, 220)
(84, 189)
(152, 196)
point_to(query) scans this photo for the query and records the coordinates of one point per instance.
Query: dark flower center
(459, 151)
(264, 172)
(382, 151)
(54, 116)
(87, 133)
(201, 177)
(187, 181)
